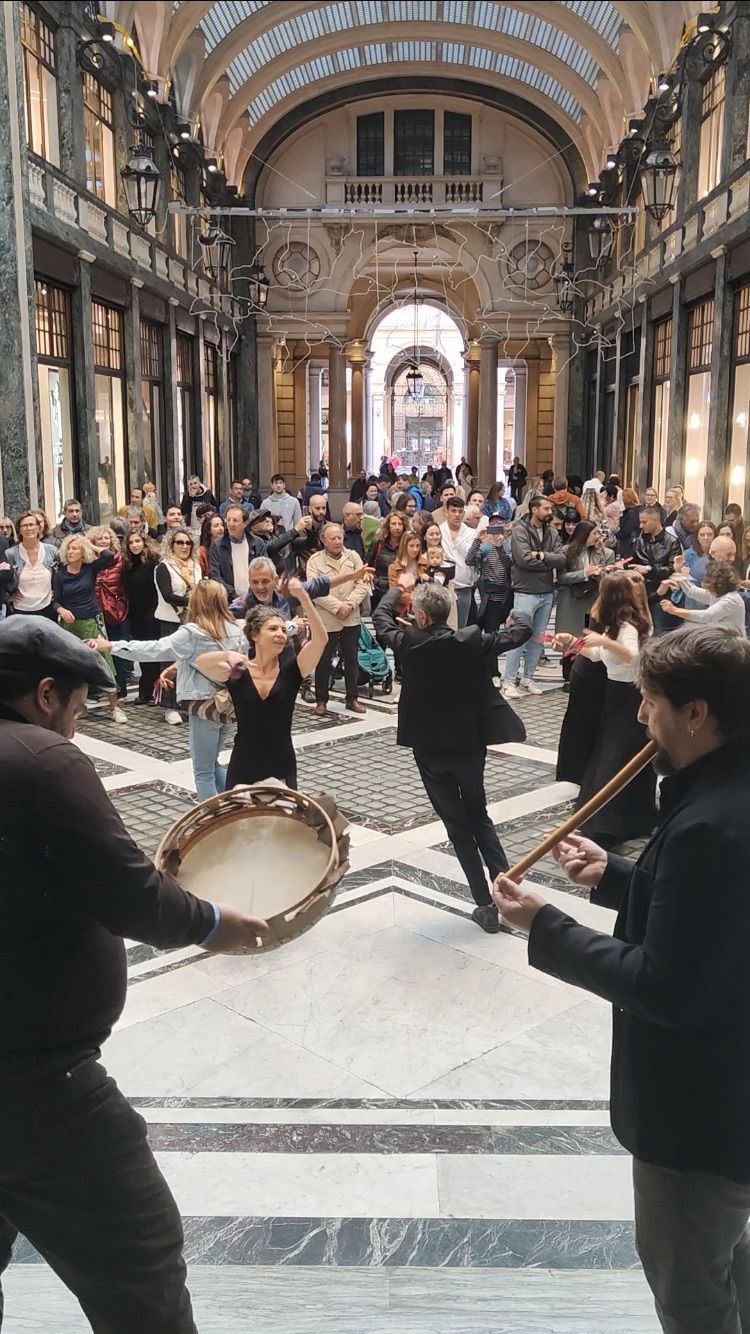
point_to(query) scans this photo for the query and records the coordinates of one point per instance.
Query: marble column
(70, 94)
(133, 396)
(560, 344)
(357, 357)
(314, 431)
(719, 413)
(20, 467)
(486, 466)
(738, 88)
(172, 444)
(678, 380)
(250, 445)
(472, 360)
(267, 434)
(225, 473)
(643, 460)
(84, 393)
(368, 463)
(337, 476)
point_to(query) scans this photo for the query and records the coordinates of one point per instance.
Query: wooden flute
(595, 803)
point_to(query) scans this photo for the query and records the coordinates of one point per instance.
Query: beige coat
(355, 593)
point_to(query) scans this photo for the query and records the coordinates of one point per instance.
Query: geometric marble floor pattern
(392, 1123)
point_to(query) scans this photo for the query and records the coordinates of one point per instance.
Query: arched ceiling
(245, 63)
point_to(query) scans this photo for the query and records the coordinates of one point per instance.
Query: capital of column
(473, 353)
(358, 353)
(87, 256)
(560, 346)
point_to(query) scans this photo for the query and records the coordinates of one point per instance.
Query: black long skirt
(582, 721)
(632, 813)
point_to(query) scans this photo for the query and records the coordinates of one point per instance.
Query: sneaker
(528, 684)
(488, 918)
(173, 717)
(119, 716)
(509, 690)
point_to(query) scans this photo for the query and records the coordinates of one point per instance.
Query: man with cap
(77, 1177)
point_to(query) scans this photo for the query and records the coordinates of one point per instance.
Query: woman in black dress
(264, 691)
(140, 558)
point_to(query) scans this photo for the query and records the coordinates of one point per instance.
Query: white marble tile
(330, 933)
(567, 1056)
(147, 966)
(396, 1008)
(207, 1050)
(464, 935)
(522, 751)
(535, 1186)
(309, 1185)
(168, 992)
(370, 1116)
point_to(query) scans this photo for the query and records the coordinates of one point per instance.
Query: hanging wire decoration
(414, 377)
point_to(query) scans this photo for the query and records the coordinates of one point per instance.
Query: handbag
(218, 708)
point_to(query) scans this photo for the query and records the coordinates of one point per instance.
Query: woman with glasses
(33, 563)
(175, 576)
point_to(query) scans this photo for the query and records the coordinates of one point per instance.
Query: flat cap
(256, 515)
(34, 644)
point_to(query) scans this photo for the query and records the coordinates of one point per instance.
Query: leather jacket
(658, 552)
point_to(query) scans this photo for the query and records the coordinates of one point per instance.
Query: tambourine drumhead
(268, 850)
(263, 865)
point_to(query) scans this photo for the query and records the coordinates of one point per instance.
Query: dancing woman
(264, 693)
(621, 614)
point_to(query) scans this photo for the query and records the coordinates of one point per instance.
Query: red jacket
(110, 593)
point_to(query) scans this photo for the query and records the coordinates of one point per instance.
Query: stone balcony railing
(72, 206)
(410, 191)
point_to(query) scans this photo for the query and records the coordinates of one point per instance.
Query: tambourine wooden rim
(258, 800)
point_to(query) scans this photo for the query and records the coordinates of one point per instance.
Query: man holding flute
(676, 972)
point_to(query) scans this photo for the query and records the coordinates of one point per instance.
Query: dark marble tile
(149, 809)
(387, 1104)
(456, 1242)
(145, 732)
(255, 1137)
(105, 769)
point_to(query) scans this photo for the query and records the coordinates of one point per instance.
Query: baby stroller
(373, 665)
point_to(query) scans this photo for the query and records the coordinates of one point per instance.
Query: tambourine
(268, 850)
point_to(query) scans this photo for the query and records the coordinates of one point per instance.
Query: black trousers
(495, 613)
(349, 637)
(455, 786)
(79, 1181)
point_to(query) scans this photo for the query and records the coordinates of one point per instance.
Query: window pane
(152, 434)
(184, 436)
(110, 437)
(57, 436)
(712, 132)
(100, 141)
(40, 107)
(413, 143)
(371, 144)
(661, 436)
(696, 437)
(740, 430)
(457, 144)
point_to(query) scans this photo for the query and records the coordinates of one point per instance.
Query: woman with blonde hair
(209, 627)
(176, 575)
(74, 596)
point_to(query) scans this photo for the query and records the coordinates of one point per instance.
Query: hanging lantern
(601, 235)
(564, 284)
(259, 285)
(217, 248)
(142, 183)
(660, 172)
(415, 384)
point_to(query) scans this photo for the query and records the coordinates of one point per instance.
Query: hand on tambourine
(582, 860)
(236, 933)
(517, 904)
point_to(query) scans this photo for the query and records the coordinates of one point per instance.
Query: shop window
(40, 85)
(109, 404)
(456, 144)
(371, 144)
(100, 140)
(211, 411)
(54, 377)
(700, 348)
(736, 482)
(413, 143)
(152, 402)
(662, 397)
(185, 451)
(712, 132)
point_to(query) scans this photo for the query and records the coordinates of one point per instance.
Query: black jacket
(354, 541)
(442, 668)
(630, 527)
(187, 502)
(657, 552)
(676, 973)
(529, 574)
(220, 556)
(73, 884)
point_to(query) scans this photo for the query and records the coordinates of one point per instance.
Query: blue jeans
(539, 607)
(207, 739)
(463, 605)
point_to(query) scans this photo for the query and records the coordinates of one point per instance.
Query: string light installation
(414, 377)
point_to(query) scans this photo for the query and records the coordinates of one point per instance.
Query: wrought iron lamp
(563, 280)
(216, 246)
(142, 181)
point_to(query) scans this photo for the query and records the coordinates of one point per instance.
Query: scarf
(185, 569)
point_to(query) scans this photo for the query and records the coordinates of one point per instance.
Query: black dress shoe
(487, 917)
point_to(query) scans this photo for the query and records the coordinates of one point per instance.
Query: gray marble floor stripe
(386, 1104)
(255, 1137)
(508, 1243)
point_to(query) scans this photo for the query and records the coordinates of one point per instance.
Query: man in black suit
(439, 664)
(676, 973)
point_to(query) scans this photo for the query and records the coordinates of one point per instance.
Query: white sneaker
(173, 717)
(119, 715)
(528, 684)
(509, 690)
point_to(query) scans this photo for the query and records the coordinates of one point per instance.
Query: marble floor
(393, 1123)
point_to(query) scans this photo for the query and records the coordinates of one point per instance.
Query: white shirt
(240, 567)
(456, 547)
(593, 484)
(617, 669)
(34, 583)
(727, 611)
